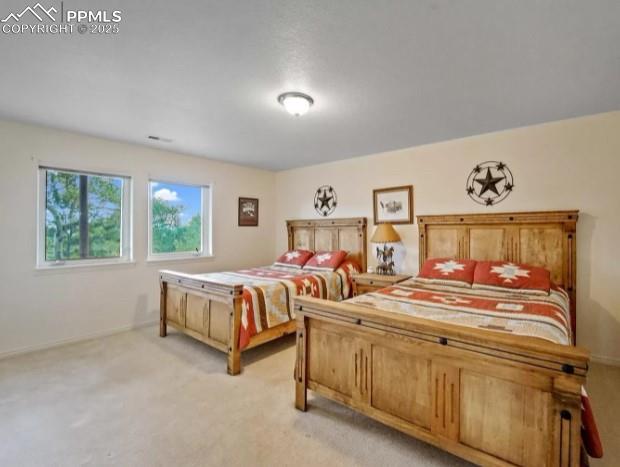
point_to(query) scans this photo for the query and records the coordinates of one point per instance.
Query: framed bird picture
(393, 205)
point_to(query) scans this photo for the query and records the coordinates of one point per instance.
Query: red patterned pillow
(515, 277)
(447, 271)
(294, 258)
(326, 260)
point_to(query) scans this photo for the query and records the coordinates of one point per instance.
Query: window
(83, 218)
(179, 220)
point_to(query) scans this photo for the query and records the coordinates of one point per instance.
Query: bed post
(567, 422)
(163, 286)
(301, 389)
(234, 353)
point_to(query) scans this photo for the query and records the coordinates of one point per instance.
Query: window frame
(126, 251)
(206, 210)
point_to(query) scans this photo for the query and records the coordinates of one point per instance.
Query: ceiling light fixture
(296, 103)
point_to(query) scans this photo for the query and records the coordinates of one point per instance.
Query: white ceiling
(384, 74)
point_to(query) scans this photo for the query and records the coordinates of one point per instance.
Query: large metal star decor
(325, 200)
(490, 183)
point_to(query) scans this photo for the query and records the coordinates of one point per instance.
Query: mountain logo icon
(38, 11)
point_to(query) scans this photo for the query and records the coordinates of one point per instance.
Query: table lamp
(385, 233)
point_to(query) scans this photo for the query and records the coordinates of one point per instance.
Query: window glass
(83, 215)
(176, 218)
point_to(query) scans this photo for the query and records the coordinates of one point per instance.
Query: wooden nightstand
(367, 282)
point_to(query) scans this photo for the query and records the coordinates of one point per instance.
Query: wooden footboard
(490, 398)
(209, 312)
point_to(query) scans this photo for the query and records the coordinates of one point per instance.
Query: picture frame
(393, 205)
(248, 212)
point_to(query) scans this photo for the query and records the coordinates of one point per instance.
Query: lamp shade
(385, 233)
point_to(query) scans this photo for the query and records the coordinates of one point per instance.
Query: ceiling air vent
(160, 139)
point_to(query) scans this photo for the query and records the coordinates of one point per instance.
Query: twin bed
(487, 375)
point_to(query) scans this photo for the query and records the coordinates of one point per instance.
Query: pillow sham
(294, 258)
(513, 277)
(447, 271)
(326, 260)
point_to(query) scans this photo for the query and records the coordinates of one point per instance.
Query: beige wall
(561, 165)
(39, 308)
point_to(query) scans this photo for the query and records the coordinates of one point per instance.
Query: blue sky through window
(190, 197)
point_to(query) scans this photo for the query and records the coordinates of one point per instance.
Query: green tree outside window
(176, 218)
(82, 216)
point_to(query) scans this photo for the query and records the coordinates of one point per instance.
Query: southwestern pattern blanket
(546, 317)
(268, 292)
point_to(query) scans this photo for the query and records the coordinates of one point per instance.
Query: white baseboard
(605, 360)
(73, 340)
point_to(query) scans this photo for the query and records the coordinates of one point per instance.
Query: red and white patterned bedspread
(545, 317)
(268, 292)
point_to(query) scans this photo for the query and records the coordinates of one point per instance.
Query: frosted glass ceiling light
(295, 103)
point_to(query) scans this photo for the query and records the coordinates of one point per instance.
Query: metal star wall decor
(490, 183)
(325, 200)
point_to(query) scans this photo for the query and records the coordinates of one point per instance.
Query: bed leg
(301, 397)
(163, 331)
(234, 353)
(301, 390)
(234, 362)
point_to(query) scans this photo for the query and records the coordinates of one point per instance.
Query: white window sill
(93, 265)
(178, 259)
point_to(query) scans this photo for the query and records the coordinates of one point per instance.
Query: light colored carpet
(135, 399)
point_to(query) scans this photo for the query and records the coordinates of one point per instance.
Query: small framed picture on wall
(248, 212)
(393, 205)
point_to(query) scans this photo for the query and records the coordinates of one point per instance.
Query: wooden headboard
(330, 234)
(546, 239)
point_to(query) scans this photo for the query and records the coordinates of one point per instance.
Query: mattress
(268, 292)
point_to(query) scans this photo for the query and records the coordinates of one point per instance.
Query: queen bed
(235, 311)
(489, 375)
